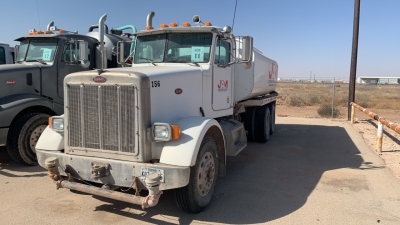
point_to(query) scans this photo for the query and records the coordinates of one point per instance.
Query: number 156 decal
(155, 83)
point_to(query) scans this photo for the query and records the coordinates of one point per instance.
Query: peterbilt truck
(6, 54)
(193, 96)
(31, 90)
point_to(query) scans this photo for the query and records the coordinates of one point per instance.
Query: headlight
(165, 132)
(57, 123)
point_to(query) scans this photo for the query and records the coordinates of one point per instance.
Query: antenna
(37, 9)
(234, 14)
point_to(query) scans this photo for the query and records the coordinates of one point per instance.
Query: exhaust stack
(149, 20)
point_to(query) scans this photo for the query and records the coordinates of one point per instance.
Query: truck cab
(192, 96)
(6, 54)
(31, 90)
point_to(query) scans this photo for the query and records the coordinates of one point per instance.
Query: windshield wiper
(35, 60)
(183, 61)
(149, 60)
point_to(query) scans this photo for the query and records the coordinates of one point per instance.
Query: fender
(17, 103)
(50, 141)
(183, 152)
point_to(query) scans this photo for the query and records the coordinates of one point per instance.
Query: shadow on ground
(265, 181)
(6, 163)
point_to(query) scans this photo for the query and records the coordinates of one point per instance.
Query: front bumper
(122, 173)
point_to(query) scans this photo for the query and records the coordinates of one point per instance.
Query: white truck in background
(6, 54)
(193, 95)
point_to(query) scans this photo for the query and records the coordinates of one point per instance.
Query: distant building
(376, 80)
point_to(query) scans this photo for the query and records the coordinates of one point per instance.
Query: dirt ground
(366, 126)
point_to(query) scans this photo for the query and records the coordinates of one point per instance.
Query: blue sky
(305, 37)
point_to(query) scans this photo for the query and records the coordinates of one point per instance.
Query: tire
(23, 136)
(263, 124)
(272, 127)
(249, 120)
(194, 197)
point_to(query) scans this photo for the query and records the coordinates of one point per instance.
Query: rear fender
(183, 152)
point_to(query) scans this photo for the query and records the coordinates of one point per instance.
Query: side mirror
(247, 51)
(120, 52)
(83, 54)
(15, 53)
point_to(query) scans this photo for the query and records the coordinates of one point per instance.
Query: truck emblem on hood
(11, 82)
(99, 79)
(178, 91)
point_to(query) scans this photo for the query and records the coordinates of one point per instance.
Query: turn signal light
(176, 132)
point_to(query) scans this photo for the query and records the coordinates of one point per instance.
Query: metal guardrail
(381, 121)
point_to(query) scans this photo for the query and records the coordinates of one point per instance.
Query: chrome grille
(101, 117)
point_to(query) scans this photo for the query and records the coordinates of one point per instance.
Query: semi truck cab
(6, 54)
(31, 90)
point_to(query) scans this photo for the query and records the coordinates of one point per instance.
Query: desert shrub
(325, 110)
(363, 100)
(314, 100)
(296, 101)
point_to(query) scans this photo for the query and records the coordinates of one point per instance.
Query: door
(68, 63)
(222, 76)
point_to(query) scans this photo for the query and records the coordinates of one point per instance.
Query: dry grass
(317, 94)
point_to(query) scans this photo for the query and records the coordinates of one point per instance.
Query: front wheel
(198, 193)
(24, 135)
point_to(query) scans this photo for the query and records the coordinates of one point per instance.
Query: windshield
(173, 47)
(37, 50)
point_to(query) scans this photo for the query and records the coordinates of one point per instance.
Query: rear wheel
(198, 193)
(272, 127)
(263, 124)
(23, 136)
(249, 123)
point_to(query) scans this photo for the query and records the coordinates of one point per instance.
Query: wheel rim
(33, 139)
(205, 174)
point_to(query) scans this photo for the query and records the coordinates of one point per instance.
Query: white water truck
(193, 95)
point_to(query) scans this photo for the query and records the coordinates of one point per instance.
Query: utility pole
(353, 67)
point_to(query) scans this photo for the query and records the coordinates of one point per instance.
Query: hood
(17, 67)
(150, 70)
(19, 79)
(175, 91)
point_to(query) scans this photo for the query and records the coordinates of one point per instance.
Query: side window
(71, 54)
(2, 55)
(222, 52)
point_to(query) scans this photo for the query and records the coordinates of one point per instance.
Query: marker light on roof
(163, 25)
(149, 27)
(207, 24)
(186, 24)
(173, 24)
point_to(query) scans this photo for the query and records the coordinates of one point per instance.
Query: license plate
(148, 170)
